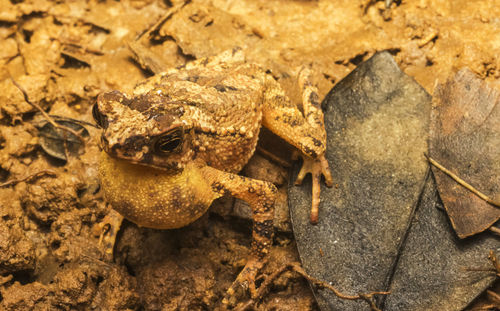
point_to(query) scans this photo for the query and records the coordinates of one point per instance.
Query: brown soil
(62, 54)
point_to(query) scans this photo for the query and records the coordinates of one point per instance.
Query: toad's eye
(98, 117)
(165, 146)
(169, 142)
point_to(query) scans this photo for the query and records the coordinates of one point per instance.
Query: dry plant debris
(464, 140)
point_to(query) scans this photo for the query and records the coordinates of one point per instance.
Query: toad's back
(223, 103)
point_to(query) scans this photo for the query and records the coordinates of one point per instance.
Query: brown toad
(177, 142)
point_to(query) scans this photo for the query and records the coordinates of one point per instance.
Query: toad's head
(146, 129)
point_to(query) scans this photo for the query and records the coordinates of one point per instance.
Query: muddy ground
(62, 54)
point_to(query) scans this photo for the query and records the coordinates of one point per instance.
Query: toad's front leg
(261, 196)
(304, 131)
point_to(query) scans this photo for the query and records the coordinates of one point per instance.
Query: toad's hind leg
(304, 131)
(261, 196)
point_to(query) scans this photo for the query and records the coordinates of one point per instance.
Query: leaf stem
(462, 182)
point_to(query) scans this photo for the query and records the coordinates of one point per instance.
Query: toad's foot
(316, 167)
(261, 196)
(245, 281)
(107, 230)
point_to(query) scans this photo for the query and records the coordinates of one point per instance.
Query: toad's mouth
(141, 160)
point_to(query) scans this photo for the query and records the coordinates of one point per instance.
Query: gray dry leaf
(58, 142)
(377, 120)
(435, 269)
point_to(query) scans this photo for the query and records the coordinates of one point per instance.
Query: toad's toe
(316, 167)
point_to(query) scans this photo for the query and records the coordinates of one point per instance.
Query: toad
(178, 141)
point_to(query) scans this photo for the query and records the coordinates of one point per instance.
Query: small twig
(5, 279)
(494, 261)
(97, 261)
(294, 266)
(488, 307)
(49, 119)
(271, 156)
(83, 49)
(462, 182)
(494, 297)
(29, 177)
(26, 98)
(431, 36)
(495, 230)
(146, 58)
(45, 114)
(170, 12)
(81, 122)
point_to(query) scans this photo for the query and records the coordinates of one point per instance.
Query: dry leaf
(59, 143)
(465, 127)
